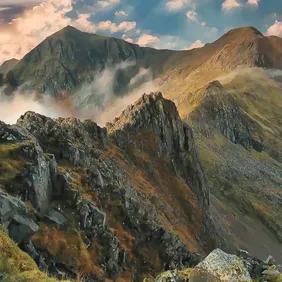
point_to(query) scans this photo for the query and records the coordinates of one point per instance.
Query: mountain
(69, 58)
(164, 183)
(121, 203)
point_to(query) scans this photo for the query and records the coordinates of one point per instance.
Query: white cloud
(147, 40)
(33, 26)
(176, 5)
(253, 2)
(196, 44)
(128, 39)
(108, 3)
(161, 41)
(192, 16)
(275, 29)
(121, 13)
(4, 8)
(230, 4)
(113, 27)
(20, 2)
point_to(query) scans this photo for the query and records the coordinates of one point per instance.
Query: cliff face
(173, 139)
(128, 202)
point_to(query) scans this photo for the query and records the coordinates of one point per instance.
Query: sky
(162, 24)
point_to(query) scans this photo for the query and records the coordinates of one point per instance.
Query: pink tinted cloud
(33, 26)
(147, 40)
(230, 4)
(275, 29)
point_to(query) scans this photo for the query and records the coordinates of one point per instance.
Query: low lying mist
(96, 100)
(272, 75)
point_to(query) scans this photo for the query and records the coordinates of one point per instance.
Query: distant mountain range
(67, 59)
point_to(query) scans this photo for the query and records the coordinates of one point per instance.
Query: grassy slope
(246, 185)
(16, 265)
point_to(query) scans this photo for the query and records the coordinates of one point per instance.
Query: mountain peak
(250, 30)
(153, 125)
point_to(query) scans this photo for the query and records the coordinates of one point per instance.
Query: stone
(21, 228)
(14, 217)
(56, 217)
(271, 272)
(219, 266)
(270, 260)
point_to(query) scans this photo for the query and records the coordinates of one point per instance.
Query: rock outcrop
(15, 219)
(36, 181)
(174, 140)
(219, 266)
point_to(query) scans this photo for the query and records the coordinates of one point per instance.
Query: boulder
(14, 217)
(56, 218)
(220, 266)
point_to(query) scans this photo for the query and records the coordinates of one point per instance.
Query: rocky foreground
(122, 203)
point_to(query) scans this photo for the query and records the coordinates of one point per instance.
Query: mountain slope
(67, 59)
(92, 201)
(238, 129)
(233, 107)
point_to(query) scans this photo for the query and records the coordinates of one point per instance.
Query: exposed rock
(14, 217)
(219, 266)
(270, 260)
(174, 139)
(56, 217)
(37, 179)
(69, 138)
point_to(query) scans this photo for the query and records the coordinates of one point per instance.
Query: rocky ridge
(75, 180)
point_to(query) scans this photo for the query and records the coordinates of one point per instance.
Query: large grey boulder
(14, 218)
(220, 267)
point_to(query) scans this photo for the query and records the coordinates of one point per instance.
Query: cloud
(107, 3)
(275, 29)
(228, 5)
(196, 44)
(253, 2)
(113, 27)
(26, 32)
(192, 16)
(12, 107)
(121, 13)
(96, 100)
(176, 5)
(231, 4)
(147, 40)
(4, 8)
(20, 2)
(128, 39)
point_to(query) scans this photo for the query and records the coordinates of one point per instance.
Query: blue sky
(173, 24)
